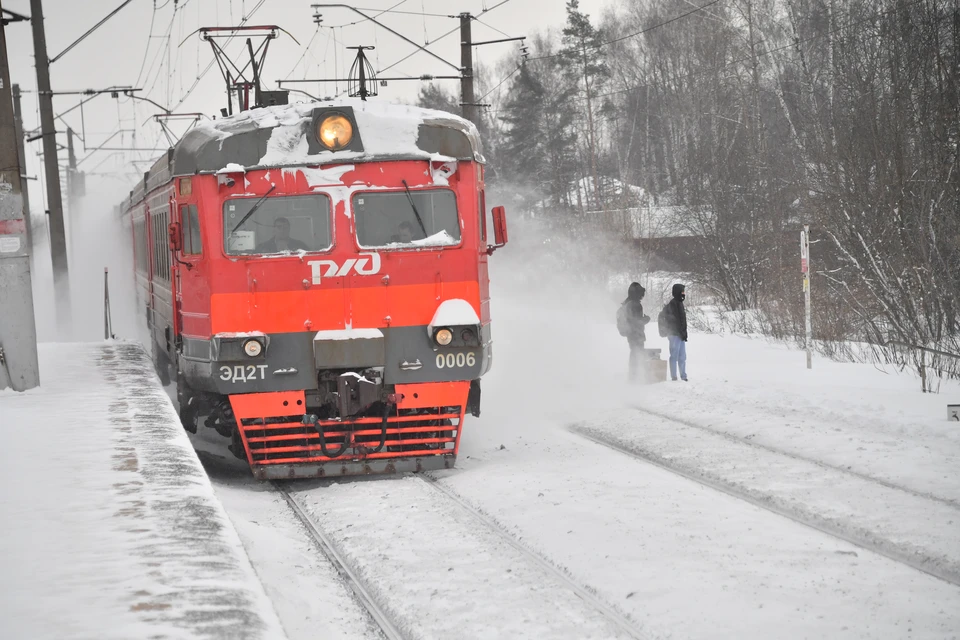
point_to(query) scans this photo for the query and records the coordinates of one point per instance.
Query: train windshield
(272, 225)
(406, 219)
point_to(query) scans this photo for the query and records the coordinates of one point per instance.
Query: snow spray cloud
(555, 289)
(96, 239)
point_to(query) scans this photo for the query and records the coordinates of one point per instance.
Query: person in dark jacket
(677, 332)
(636, 325)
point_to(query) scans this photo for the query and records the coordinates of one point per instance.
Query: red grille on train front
(273, 433)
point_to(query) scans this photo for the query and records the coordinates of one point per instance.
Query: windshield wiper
(253, 210)
(414, 207)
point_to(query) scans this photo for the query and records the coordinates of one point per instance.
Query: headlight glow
(335, 132)
(252, 348)
(444, 337)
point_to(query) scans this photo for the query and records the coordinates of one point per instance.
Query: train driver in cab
(281, 240)
(405, 235)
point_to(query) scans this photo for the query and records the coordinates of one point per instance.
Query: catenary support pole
(468, 98)
(22, 155)
(805, 269)
(19, 369)
(58, 240)
(73, 189)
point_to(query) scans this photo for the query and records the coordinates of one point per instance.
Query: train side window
(192, 244)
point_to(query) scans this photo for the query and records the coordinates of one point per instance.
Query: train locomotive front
(316, 277)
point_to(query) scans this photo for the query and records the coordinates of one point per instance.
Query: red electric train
(315, 277)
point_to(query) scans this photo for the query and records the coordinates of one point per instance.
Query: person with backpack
(631, 323)
(672, 323)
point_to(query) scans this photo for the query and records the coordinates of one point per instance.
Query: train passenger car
(315, 277)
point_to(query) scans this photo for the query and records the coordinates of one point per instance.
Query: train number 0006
(456, 360)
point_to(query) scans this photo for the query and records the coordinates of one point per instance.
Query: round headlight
(467, 335)
(335, 132)
(252, 348)
(444, 337)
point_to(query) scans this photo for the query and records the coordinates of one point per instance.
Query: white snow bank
(349, 334)
(454, 313)
(111, 527)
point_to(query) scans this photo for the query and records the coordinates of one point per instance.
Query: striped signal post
(19, 369)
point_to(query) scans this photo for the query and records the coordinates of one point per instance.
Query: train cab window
(280, 224)
(190, 219)
(398, 219)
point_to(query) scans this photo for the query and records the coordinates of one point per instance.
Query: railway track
(587, 595)
(796, 456)
(390, 630)
(901, 556)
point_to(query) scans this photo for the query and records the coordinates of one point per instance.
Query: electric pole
(72, 186)
(71, 175)
(58, 241)
(468, 99)
(19, 368)
(21, 154)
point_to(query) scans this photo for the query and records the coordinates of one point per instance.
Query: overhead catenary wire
(640, 32)
(89, 31)
(448, 33)
(499, 84)
(489, 26)
(306, 50)
(212, 62)
(795, 43)
(380, 12)
(146, 50)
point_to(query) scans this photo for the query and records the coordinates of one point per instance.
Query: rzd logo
(330, 269)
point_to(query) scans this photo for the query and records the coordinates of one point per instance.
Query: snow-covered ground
(758, 500)
(783, 503)
(687, 560)
(110, 526)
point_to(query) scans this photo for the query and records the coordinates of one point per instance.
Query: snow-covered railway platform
(111, 528)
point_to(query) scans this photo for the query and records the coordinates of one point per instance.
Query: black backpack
(623, 322)
(664, 320)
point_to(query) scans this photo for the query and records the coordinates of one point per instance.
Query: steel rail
(330, 551)
(926, 495)
(616, 618)
(903, 558)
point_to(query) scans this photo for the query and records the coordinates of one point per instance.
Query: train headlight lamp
(252, 348)
(444, 337)
(335, 132)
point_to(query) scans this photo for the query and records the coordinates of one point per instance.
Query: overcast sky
(122, 53)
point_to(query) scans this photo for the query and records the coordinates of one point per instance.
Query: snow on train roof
(277, 136)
